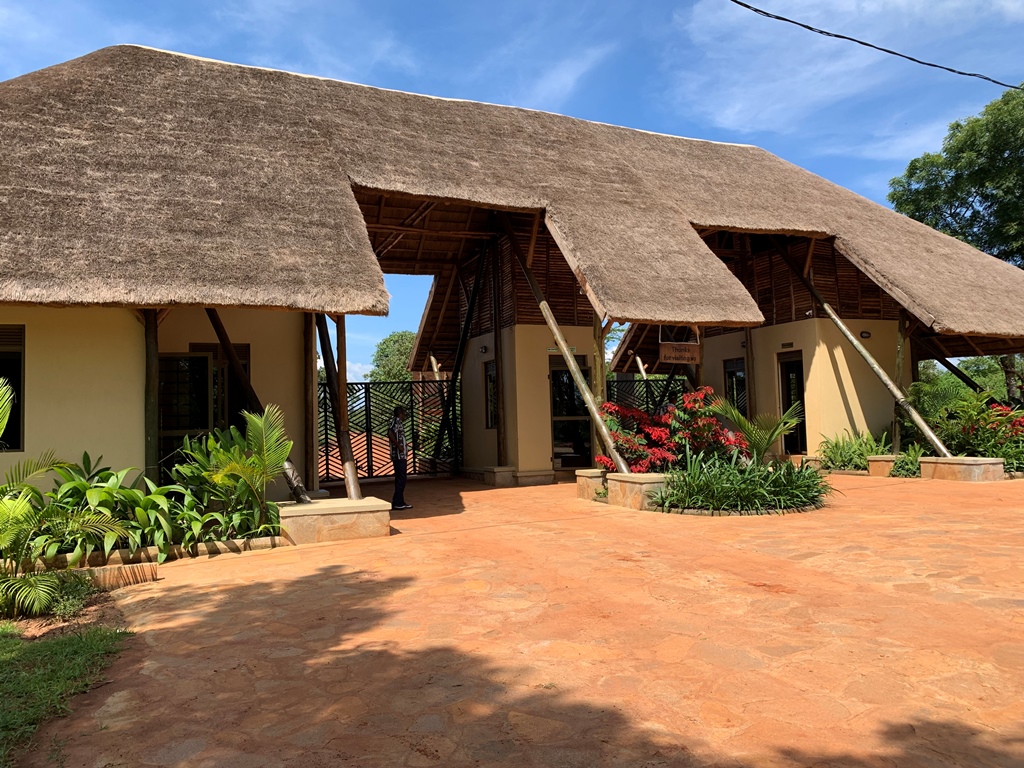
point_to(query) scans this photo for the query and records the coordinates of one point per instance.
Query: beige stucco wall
(84, 384)
(841, 392)
(532, 447)
(718, 349)
(276, 364)
(479, 444)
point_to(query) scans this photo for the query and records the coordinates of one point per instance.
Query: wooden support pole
(447, 416)
(338, 414)
(901, 344)
(641, 366)
(291, 474)
(898, 394)
(152, 396)
(311, 390)
(600, 367)
(941, 357)
(435, 368)
(748, 340)
(563, 346)
(345, 436)
(499, 363)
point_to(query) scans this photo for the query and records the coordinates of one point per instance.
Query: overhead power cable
(826, 33)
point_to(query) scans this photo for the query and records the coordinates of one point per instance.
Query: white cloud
(330, 39)
(554, 87)
(745, 73)
(357, 371)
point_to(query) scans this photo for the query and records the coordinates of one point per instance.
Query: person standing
(399, 457)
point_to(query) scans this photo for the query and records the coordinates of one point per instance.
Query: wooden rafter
(392, 240)
(397, 229)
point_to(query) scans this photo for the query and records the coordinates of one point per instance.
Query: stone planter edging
(967, 469)
(736, 512)
(589, 482)
(176, 552)
(881, 466)
(634, 490)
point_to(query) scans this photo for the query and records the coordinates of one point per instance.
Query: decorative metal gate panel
(649, 395)
(371, 407)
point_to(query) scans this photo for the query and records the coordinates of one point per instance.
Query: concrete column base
(632, 491)
(968, 469)
(881, 466)
(535, 477)
(499, 477)
(589, 482)
(335, 520)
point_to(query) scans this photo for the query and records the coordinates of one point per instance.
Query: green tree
(973, 189)
(391, 357)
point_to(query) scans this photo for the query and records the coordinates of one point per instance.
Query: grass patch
(38, 678)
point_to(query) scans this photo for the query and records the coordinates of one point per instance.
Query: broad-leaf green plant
(267, 449)
(763, 430)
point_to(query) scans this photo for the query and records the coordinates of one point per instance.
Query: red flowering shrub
(657, 443)
(974, 427)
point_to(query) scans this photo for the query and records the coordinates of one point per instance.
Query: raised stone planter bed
(335, 520)
(968, 469)
(589, 482)
(881, 466)
(633, 491)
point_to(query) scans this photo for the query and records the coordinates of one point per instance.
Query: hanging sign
(679, 353)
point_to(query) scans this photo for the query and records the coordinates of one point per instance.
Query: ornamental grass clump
(729, 484)
(850, 452)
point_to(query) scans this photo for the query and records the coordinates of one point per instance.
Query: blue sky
(705, 69)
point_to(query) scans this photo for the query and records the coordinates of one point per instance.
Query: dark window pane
(491, 394)
(565, 398)
(184, 393)
(11, 368)
(572, 443)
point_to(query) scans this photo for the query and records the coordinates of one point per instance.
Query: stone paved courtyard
(522, 627)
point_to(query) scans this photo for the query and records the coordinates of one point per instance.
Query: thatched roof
(142, 177)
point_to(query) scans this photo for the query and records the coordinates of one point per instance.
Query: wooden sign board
(679, 353)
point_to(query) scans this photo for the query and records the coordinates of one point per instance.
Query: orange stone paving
(521, 627)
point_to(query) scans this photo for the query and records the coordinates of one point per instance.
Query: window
(570, 420)
(736, 383)
(491, 394)
(12, 368)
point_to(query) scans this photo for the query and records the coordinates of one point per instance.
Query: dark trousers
(401, 467)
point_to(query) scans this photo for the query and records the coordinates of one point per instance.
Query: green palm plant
(761, 431)
(262, 460)
(29, 530)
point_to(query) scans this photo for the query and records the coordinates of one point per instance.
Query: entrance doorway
(791, 386)
(571, 442)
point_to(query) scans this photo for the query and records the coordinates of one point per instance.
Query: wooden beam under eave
(810, 258)
(311, 391)
(533, 238)
(291, 474)
(152, 396)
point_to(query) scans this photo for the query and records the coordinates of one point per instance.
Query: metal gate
(648, 395)
(371, 407)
